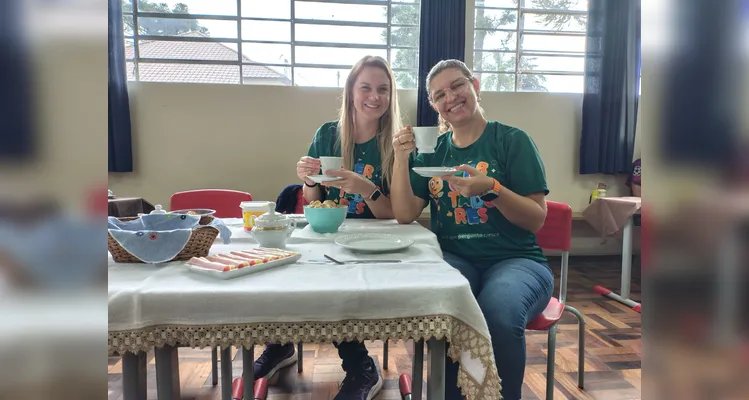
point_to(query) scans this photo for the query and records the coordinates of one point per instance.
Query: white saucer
(323, 178)
(373, 242)
(431, 172)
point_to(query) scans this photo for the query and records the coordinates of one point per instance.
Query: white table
(309, 301)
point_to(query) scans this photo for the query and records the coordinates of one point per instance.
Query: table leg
(727, 307)
(226, 374)
(134, 376)
(248, 371)
(167, 373)
(627, 258)
(436, 369)
(214, 365)
(626, 271)
(417, 369)
(385, 354)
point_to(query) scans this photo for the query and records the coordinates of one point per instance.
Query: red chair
(224, 201)
(95, 201)
(260, 389)
(556, 235)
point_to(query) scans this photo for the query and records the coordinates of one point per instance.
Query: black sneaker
(362, 383)
(274, 358)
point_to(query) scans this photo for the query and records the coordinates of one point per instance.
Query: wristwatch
(375, 195)
(493, 193)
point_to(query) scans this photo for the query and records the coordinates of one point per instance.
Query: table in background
(311, 301)
(608, 216)
(128, 207)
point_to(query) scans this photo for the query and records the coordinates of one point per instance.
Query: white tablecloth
(306, 301)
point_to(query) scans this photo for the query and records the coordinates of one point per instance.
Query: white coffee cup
(331, 163)
(426, 138)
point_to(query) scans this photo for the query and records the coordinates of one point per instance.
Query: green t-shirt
(468, 227)
(367, 162)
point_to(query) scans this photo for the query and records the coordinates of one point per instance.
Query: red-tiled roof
(203, 73)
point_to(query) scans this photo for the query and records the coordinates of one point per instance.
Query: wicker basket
(200, 242)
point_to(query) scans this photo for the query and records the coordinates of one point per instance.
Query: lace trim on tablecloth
(461, 337)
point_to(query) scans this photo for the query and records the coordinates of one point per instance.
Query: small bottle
(158, 210)
(601, 193)
(593, 195)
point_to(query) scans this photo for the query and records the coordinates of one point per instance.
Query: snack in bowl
(325, 217)
(324, 204)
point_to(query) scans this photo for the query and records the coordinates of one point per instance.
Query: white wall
(188, 136)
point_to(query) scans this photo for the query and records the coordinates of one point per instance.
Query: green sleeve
(322, 142)
(526, 171)
(419, 184)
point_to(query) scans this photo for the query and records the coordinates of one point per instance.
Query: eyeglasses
(457, 88)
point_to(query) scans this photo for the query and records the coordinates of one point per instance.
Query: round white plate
(431, 172)
(373, 242)
(323, 178)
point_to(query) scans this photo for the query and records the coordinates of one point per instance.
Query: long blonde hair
(445, 126)
(389, 123)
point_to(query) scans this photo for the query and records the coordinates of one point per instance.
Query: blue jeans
(510, 293)
(353, 354)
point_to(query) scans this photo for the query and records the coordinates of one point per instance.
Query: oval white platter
(373, 242)
(246, 270)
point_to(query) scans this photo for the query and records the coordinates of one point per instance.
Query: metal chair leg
(581, 346)
(385, 355)
(550, 362)
(214, 366)
(299, 351)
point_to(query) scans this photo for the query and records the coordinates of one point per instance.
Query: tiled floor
(612, 357)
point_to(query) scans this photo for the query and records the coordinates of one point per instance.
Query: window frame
(136, 37)
(519, 53)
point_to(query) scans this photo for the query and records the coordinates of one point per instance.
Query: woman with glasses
(485, 215)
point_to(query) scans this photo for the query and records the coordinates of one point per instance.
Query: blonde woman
(363, 136)
(485, 216)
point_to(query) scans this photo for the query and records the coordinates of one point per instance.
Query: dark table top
(129, 207)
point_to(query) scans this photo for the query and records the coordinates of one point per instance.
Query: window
(280, 42)
(530, 45)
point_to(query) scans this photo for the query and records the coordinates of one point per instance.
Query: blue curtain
(442, 36)
(120, 143)
(17, 135)
(611, 94)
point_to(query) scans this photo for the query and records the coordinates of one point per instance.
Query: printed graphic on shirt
(459, 209)
(355, 202)
(636, 176)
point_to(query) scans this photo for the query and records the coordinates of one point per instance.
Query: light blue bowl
(325, 220)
